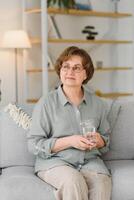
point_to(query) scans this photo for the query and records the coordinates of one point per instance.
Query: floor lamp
(16, 39)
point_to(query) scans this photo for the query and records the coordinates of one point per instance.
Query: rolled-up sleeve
(40, 141)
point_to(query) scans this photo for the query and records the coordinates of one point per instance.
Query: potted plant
(61, 3)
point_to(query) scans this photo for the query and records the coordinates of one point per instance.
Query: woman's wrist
(62, 143)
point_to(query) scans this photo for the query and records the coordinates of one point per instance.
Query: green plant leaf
(54, 1)
(60, 3)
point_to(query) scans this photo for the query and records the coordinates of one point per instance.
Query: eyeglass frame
(75, 68)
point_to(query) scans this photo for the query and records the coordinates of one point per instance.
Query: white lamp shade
(16, 39)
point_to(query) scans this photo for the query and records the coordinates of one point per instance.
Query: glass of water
(88, 130)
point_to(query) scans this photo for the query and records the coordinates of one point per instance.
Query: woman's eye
(77, 68)
(65, 66)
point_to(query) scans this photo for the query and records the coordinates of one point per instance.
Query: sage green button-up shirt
(55, 117)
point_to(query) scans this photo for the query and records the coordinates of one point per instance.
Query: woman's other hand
(80, 142)
(98, 141)
(76, 141)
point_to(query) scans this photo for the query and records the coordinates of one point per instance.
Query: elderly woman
(65, 158)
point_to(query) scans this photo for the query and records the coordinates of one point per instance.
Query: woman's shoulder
(91, 95)
(50, 97)
(45, 103)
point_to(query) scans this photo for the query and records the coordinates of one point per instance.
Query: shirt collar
(62, 96)
(85, 97)
(64, 100)
(87, 92)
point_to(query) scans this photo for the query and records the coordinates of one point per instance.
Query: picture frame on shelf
(53, 30)
(83, 5)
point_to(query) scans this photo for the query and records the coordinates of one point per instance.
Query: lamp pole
(16, 39)
(16, 75)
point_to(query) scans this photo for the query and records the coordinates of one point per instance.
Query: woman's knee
(104, 180)
(76, 178)
(104, 186)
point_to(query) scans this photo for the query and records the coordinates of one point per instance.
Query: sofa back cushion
(122, 135)
(13, 142)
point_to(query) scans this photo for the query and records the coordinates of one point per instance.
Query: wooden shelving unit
(35, 40)
(113, 68)
(38, 70)
(33, 10)
(42, 20)
(32, 100)
(98, 93)
(80, 12)
(113, 94)
(74, 12)
(89, 41)
(81, 41)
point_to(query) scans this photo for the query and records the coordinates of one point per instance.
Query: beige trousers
(70, 184)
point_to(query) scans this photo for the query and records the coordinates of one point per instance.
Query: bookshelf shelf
(113, 68)
(113, 94)
(89, 41)
(98, 93)
(80, 12)
(33, 10)
(35, 40)
(32, 100)
(37, 70)
(81, 41)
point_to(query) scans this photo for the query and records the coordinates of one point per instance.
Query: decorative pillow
(19, 116)
(14, 125)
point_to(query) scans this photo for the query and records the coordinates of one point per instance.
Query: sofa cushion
(20, 183)
(122, 135)
(13, 142)
(113, 109)
(122, 179)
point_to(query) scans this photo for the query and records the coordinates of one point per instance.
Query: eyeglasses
(76, 68)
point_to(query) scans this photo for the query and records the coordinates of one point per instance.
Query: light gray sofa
(18, 182)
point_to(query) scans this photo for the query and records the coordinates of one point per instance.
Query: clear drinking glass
(88, 130)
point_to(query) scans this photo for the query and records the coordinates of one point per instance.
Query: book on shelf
(83, 5)
(53, 30)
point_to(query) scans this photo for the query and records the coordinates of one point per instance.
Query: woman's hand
(80, 142)
(97, 140)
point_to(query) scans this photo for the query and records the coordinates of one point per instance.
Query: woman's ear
(85, 77)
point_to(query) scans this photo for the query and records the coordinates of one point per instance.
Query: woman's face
(72, 72)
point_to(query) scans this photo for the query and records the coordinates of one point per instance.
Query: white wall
(11, 18)
(111, 55)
